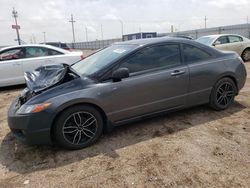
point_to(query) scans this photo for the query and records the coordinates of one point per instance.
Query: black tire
(223, 94)
(246, 55)
(78, 127)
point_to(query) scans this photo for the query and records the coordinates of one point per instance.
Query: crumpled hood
(45, 77)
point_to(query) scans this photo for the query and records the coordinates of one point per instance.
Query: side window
(54, 52)
(233, 39)
(194, 54)
(222, 40)
(11, 54)
(154, 57)
(35, 52)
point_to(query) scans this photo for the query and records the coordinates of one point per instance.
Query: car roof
(36, 45)
(160, 40)
(147, 41)
(220, 35)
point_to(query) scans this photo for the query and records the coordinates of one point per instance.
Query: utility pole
(96, 35)
(205, 19)
(172, 28)
(121, 27)
(86, 32)
(31, 40)
(73, 29)
(44, 37)
(34, 38)
(140, 32)
(16, 26)
(102, 37)
(101, 32)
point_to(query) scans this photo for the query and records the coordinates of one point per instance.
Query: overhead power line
(205, 19)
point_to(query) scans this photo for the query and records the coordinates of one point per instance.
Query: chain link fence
(93, 45)
(241, 29)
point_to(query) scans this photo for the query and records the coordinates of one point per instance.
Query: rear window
(233, 39)
(54, 52)
(194, 54)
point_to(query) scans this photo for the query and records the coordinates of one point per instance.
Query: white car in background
(16, 60)
(228, 42)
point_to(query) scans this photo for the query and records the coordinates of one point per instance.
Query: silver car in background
(228, 42)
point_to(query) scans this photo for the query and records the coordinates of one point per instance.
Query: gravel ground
(197, 147)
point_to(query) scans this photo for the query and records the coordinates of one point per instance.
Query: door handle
(177, 73)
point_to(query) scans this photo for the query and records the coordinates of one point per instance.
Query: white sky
(52, 17)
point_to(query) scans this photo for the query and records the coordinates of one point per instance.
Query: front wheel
(223, 93)
(78, 127)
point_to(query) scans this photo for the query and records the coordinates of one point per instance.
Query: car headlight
(26, 109)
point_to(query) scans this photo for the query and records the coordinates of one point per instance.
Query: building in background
(141, 35)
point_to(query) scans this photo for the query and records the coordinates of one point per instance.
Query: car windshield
(205, 40)
(101, 59)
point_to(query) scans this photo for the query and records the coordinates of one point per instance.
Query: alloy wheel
(79, 128)
(246, 55)
(225, 94)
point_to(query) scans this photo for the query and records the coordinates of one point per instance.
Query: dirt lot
(197, 147)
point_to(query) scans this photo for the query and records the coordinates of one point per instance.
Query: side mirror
(119, 74)
(216, 43)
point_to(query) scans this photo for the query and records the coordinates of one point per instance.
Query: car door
(236, 44)
(11, 70)
(222, 43)
(202, 79)
(158, 81)
(35, 57)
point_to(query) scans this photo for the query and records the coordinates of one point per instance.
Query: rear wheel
(223, 93)
(246, 55)
(78, 127)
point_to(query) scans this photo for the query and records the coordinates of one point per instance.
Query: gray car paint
(148, 93)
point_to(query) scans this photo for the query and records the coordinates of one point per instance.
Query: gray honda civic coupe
(125, 82)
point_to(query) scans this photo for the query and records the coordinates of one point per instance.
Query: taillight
(239, 58)
(82, 57)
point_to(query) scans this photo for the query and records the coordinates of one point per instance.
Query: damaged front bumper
(31, 128)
